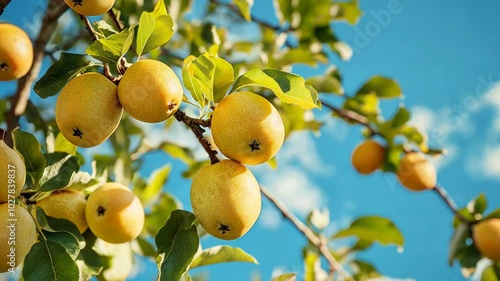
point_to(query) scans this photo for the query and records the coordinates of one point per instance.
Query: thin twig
(453, 207)
(3, 5)
(19, 100)
(196, 125)
(89, 28)
(335, 266)
(350, 115)
(116, 21)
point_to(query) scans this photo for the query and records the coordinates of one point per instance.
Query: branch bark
(3, 5)
(449, 202)
(196, 125)
(321, 244)
(19, 101)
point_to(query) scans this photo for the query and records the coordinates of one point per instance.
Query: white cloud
(484, 162)
(270, 219)
(492, 98)
(295, 189)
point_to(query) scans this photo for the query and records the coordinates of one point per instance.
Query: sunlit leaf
(373, 228)
(220, 254)
(67, 67)
(48, 260)
(286, 277)
(348, 11)
(245, 7)
(155, 29)
(288, 87)
(112, 48)
(383, 87)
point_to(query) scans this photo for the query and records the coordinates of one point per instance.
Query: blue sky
(445, 56)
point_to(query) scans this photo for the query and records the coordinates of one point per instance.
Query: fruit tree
(106, 97)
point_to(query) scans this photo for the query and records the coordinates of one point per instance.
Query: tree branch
(116, 21)
(319, 243)
(89, 28)
(3, 5)
(449, 202)
(196, 125)
(350, 115)
(19, 101)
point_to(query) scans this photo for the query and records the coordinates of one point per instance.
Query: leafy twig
(196, 125)
(321, 244)
(19, 100)
(447, 199)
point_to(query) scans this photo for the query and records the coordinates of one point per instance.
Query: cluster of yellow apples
(16, 52)
(418, 174)
(112, 212)
(225, 196)
(89, 107)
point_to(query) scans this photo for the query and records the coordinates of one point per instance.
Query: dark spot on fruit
(77, 133)
(4, 66)
(224, 228)
(100, 211)
(171, 105)
(254, 146)
(77, 3)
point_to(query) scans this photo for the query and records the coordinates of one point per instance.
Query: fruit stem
(2, 134)
(449, 202)
(116, 21)
(89, 28)
(318, 242)
(196, 125)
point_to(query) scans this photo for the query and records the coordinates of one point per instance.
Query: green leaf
(155, 29)
(295, 119)
(245, 6)
(113, 47)
(117, 260)
(366, 105)
(361, 245)
(59, 170)
(177, 151)
(89, 260)
(63, 145)
(348, 11)
(286, 277)
(288, 87)
(364, 271)
(48, 260)
(491, 273)
(30, 149)
(413, 135)
(311, 262)
(220, 254)
(478, 205)
(223, 78)
(67, 240)
(197, 77)
(383, 87)
(58, 225)
(161, 211)
(374, 228)
(400, 118)
(458, 241)
(326, 84)
(152, 190)
(67, 67)
(177, 243)
(392, 158)
(494, 214)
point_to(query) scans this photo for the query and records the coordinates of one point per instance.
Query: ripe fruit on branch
(226, 199)
(12, 173)
(150, 91)
(368, 157)
(16, 52)
(247, 128)
(416, 173)
(486, 235)
(17, 235)
(90, 7)
(88, 110)
(66, 204)
(114, 214)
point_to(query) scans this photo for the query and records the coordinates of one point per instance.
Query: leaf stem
(319, 243)
(89, 28)
(196, 125)
(118, 24)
